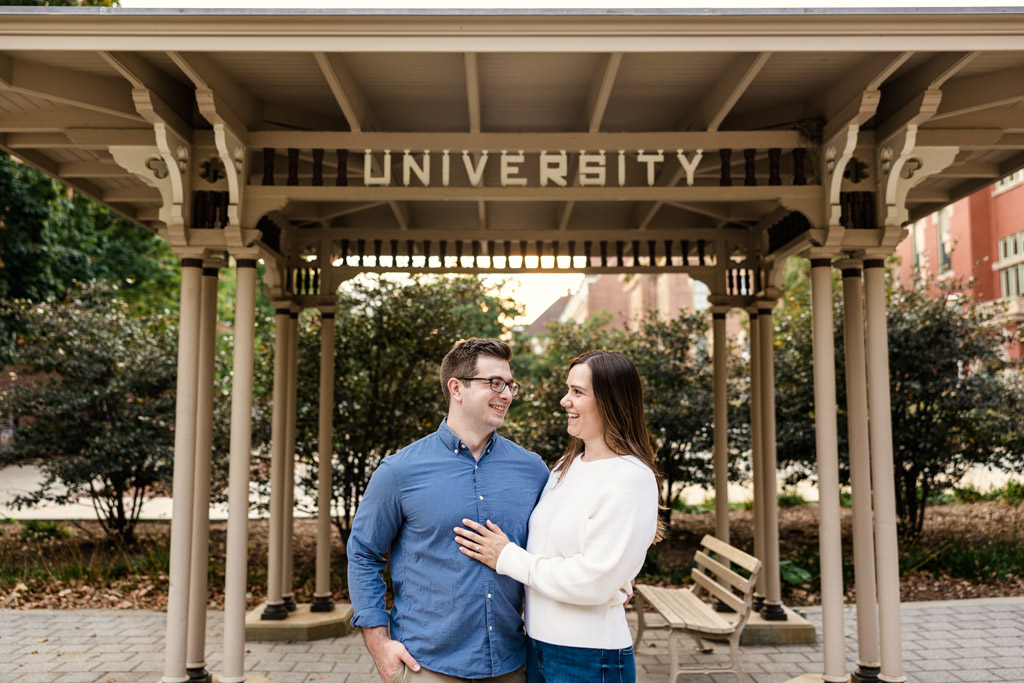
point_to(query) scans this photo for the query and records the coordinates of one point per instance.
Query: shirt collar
(454, 444)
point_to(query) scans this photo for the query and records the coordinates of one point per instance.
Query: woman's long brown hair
(620, 403)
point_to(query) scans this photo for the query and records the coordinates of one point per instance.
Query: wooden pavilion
(715, 142)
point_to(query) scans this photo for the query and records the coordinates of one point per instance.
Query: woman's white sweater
(589, 536)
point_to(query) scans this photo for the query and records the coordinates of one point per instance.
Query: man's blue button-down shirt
(455, 615)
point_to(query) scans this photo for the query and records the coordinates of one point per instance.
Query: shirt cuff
(371, 617)
(515, 562)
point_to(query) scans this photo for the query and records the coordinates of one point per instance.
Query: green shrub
(791, 499)
(793, 574)
(34, 531)
(1013, 492)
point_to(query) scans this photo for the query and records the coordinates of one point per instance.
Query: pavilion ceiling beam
(716, 104)
(528, 142)
(925, 195)
(326, 211)
(475, 116)
(56, 119)
(139, 194)
(357, 111)
(99, 139)
(221, 100)
(972, 169)
(853, 99)
(721, 214)
(143, 75)
(914, 97)
(103, 94)
(923, 207)
(592, 116)
(91, 169)
(973, 93)
(354, 106)
(708, 115)
(697, 193)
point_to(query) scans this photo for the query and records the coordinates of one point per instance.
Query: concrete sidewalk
(967, 640)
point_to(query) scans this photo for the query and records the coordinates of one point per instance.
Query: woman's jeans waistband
(546, 663)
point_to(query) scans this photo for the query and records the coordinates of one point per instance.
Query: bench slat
(734, 555)
(724, 574)
(719, 591)
(682, 609)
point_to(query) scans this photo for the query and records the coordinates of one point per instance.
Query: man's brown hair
(461, 360)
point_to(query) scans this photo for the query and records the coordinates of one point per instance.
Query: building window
(1011, 265)
(1005, 183)
(944, 239)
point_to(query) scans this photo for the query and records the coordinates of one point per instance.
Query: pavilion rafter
(708, 115)
(474, 109)
(913, 98)
(358, 111)
(104, 94)
(969, 94)
(592, 116)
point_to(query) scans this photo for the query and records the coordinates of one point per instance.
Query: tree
(52, 239)
(97, 407)
(956, 399)
(672, 359)
(391, 336)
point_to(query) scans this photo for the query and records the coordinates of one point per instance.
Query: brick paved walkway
(969, 640)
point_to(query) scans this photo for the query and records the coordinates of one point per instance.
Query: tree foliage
(673, 360)
(956, 399)
(390, 338)
(95, 400)
(51, 239)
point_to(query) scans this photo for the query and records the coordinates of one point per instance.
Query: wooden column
(236, 567)
(772, 609)
(198, 589)
(827, 450)
(275, 608)
(721, 427)
(184, 472)
(883, 485)
(860, 474)
(288, 504)
(756, 463)
(323, 600)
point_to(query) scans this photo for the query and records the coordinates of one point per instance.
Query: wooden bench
(686, 613)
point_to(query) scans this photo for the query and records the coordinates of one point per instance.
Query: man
(454, 618)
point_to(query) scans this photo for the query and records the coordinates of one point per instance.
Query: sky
(537, 292)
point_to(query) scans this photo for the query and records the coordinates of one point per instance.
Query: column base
(773, 613)
(722, 607)
(757, 603)
(199, 674)
(301, 626)
(276, 612)
(865, 674)
(289, 602)
(322, 603)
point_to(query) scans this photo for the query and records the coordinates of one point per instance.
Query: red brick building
(980, 237)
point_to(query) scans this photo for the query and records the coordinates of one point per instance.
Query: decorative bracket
(901, 166)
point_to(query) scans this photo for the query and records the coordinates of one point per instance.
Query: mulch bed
(93, 586)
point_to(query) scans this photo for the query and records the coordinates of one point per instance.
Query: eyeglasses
(497, 384)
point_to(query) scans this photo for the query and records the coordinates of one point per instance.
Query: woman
(589, 533)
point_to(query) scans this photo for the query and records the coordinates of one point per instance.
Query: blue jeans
(546, 663)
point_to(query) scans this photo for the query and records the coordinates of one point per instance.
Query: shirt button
(490, 628)
(481, 497)
(456, 451)
(488, 596)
